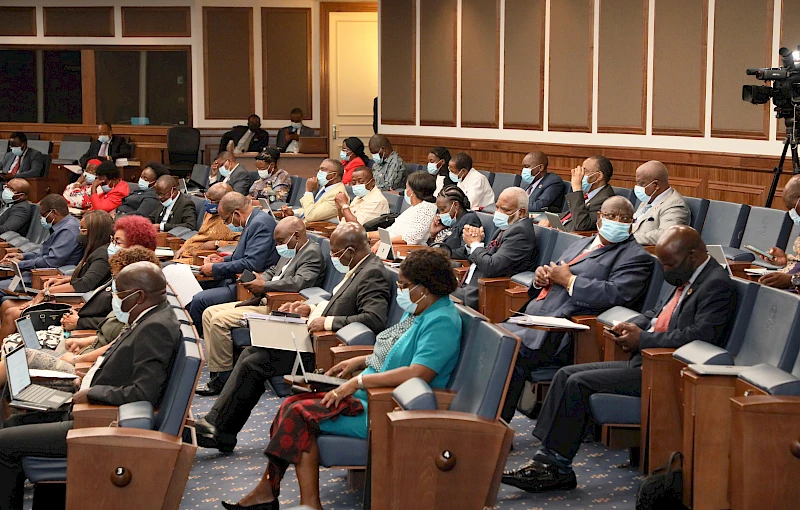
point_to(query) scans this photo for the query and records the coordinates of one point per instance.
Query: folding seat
(503, 180)
(725, 222)
(764, 229)
(699, 210)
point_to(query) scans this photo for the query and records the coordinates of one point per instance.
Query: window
(18, 86)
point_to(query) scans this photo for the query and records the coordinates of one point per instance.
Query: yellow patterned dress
(213, 229)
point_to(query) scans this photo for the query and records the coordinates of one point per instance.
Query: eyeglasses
(622, 218)
(403, 285)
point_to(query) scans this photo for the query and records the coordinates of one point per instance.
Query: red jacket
(109, 201)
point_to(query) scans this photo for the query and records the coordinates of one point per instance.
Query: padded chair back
(332, 276)
(489, 176)
(568, 189)
(132, 186)
(404, 205)
(179, 390)
(503, 180)
(793, 235)
(545, 241)
(43, 146)
(36, 232)
(183, 145)
(395, 311)
(253, 178)
(46, 170)
(699, 210)
(395, 202)
(4, 147)
(725, 222)
(746, 295)
(489, 228)
(200, 207)
(654, 286)
(483, 369)
(413, 167)
(72, 150)
(200, 175)
(296, 191)
(624, 192)
(767, 227)
(469, 327)
(562, 242)
(77, 138)
(349, 190)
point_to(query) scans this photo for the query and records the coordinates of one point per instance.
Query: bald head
(225, 156)
(349, 234)
(791, 192)
(617, 206)
(653, 177)
(217, 191)
(681, 250)
(20, 187)
(290, 229)
(378, 142)
(140, 286)
(233, 201)
(535, 161)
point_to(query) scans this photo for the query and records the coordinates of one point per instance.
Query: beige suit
(324, 209)
(670, 210)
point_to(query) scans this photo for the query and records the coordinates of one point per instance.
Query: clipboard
(274, 332)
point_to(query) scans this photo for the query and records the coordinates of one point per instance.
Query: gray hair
(518, 195)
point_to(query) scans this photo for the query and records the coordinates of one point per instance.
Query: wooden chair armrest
(82, 333)
(276, 299)
(444, 398)
(197, 261)
(93, 415)
(613, 352)
(650, 248)
(161, 239)
(767, 404)
(323, 342)
(114, 435)
(242, 294)
(658, 353)
(502, 281)
(344, 352)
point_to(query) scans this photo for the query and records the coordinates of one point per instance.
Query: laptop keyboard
(36, 393)
(325, 379)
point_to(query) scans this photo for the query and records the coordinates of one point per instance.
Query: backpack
(663, 489)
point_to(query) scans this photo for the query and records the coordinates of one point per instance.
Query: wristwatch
(796, 281)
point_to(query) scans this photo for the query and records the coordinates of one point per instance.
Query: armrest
(494, 282)
(345, 352)
(415, 395)
(82, 333)
(115, 436)
(444, 397)
(242, 294)
(588, 344)
(93, 415)
(613, 352)
(658, 354)
(276, 299)
(136, 415)
(356, 333)
(161, 239)
(323, 342)
(197, 261)
(767, 404)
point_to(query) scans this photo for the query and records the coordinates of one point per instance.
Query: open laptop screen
(17, 370)
(25, 328)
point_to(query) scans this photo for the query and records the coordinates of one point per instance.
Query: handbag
(382, 221)
(45, 315)
(663, 489)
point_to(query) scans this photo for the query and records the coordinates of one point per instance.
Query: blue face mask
(211, 208)
(322, 178)
(112, 249)
(407, 198)
(116, 305)
(377, 158)
(106, 188)
(794, 216)
(641, 194)
(103, 138)
(446, 219)
(404, 300)
(433, 169)
(17, 151)
(224, 172)
(234, 228)
(43, 219)
(360, 190)
(168, 202)
(337, 262)
(343, 156)
(528, 176)
(8, 196)
(143, 184)
(585, 184)
(286, 252)
(89, 178)
(454, 178)
(614, 231)
(501, 220)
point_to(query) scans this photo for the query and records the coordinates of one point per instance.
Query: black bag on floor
(663, 489)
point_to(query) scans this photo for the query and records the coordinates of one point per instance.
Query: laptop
(25, 395)
(318, 379)
(312, 145)
(28, 333)
(385, 250)
(182, 186)
(555, 221)
(16, 281)
(717, 253)
(265, 206)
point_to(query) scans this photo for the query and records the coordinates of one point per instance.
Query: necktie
(644, 210)
(319, 195)
(543, 293)
(496, 241)
(662, 323)
(103, 150)
(569, 214)
(15, 166)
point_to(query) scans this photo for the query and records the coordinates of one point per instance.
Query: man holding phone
(788, 274)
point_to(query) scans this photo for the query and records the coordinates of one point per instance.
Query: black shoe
(209, 437)
(538, 477)
(210, 389)
(272, 505)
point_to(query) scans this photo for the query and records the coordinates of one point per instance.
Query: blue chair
(567, 190)
(699, 210)
(625, 192)
(413, 167)
(489, 176)
(725, 222)
(489, 228)
(395, 202)
(503, 180)
(36, 232)
(199, 177)
(764, 229)
(200, 208)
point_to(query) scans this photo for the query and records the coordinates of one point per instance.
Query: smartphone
(247, 276)
(613, 333)
(758, 252)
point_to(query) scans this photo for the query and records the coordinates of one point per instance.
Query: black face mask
(82, 240)
(680, 275)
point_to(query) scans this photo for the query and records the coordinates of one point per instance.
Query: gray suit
(239, 179)
(31, 164)
(669, 211)
(306, 269)
(16, 217)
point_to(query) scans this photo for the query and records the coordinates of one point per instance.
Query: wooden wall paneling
(790, 38)
(228, 62)
(286, 60)
(523, 85)
(480, 63)
(437, 66)
(622, 67)
(88, 87)
(571, 68)
(24, 21)
(740, 42)
(79, 21)
(156, 21)
(398, 62)
(679, 67)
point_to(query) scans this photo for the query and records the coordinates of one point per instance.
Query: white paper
(121, 162)
(164, 252)
(51, 374)
(275, 318)
(552, 322)
(182, 282)
(472, 268)
(75, 169)
(275, 334)
(757, 271)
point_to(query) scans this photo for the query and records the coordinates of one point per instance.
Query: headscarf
(357, 147)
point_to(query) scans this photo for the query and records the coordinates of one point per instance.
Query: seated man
(61, 248)
(363, 296)
(319, 200)
(232, 173)
(137, 368)
(545, 190)
(289, 136)
(512, 250)
(175, 209)
(249, 138)
(213, 233)
(143, 201)
(369, 202)
(787, 276)
(108, 189)
(255, 251)
(594, 274)
(659, 210)
(301, 266)
(702, 306)
(475, 185)
(21, 160)
(15, 213)
(107, 147)
(589, 190)
(389, 168)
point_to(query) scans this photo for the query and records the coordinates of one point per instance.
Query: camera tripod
(790, 142)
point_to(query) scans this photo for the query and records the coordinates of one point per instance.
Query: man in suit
(362, 296)
(319, 200)
(301, 266)
(592, 275)
(545, 190)
(107, 147)
(175, 209)
(15, 213)
(512, 250)
(249, 138)
(232, 172)
(289, 136)
(661, 205)
(135, 368)
(255, 251)
(143, 201)
(702, 306)
(21, 160)
(590, 189)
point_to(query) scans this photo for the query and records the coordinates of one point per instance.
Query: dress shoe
(272, 505)
(209, 437)
(538, 477)
(210, 389)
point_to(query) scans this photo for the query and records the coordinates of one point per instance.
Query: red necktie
(543, 293)
(103, 150)
(15, 166)
(662, 323)
(569, 214)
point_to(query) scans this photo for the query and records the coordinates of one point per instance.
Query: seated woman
(108, 190)
(213, 232)
(428, 350)
(413, 226)
(273, 183)
(90, 273)
(454, 213)
(352, 156)
(439, 167)
(77, 193)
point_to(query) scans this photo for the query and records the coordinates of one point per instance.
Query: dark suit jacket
(16, 218)
(31, 165)
(256, 248)
(183, 214)
(455, 240)
(258, 143)
(614, 275)
(96, 310)
(306, 269)
(117, 148)
(94, 272)
(138, 365)
(584, 215)
(239, 180)
(363, 298)
(705, 313)
(281, 141)
(143, 202)
(548, 193)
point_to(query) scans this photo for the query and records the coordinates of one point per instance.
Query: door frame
(325, 8)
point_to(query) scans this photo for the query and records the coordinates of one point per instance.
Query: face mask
(143, 184)
(89, 178)
(82, 240)
(112, 249)
(263, 174)
(253, 127)
(446, 219)
(454, 178)
(8, 196)
(433, 169)
(404, 300)
(234, 228)
(641, 194)
(212, 208)
(106, 188)
(286, 252)
(792, 214)
(407, 198)
(585, 184)
(679, 275)
(360, 190)
(224, 172)
(103, 139)
(168, 202)
(322, 178)
(43, 219)
(343, 156)
(614, 231)
(337, 263)
(116, 305)
(528, 176)
(17, 151)
(501, 220)
(377, 158)
(297, 125)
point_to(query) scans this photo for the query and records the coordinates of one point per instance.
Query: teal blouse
(433, 341)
